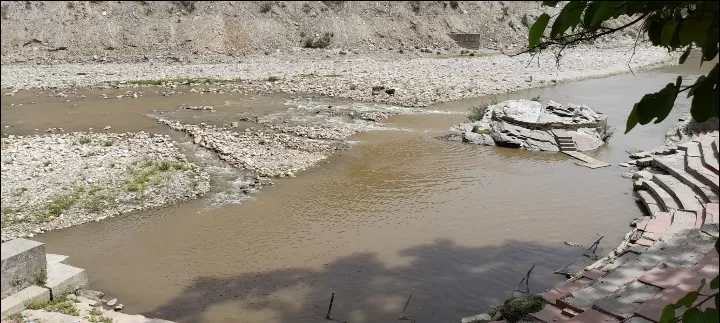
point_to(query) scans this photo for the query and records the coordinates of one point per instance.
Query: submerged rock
(528, 125)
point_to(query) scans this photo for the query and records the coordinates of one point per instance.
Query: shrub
(477, 112)
(265, 7)
(319, 42)
(454, 5)
(63, 306)
(274, 78)
(518, 308)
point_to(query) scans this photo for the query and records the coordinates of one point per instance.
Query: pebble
(112, 302)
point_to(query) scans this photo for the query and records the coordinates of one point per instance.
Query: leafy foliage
(674, 25)
(517, 308)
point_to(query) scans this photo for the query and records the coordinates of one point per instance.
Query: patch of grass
(454, 5)
(477, 112)
(61, 203)
(332, 75)
(483, 131)
(150, 173)
(415, 6)
(308, 75)
(62, 305)
(97, 202)
(518, 308)
(84, 140)
(606, 132)
(9, 216)
(108, 143)
(96, 316)
(274, 78)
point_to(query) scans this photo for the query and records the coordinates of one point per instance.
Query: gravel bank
(416, 81)
(61, 180)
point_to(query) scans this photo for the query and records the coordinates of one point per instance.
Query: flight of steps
(564, 140)
(669, 250)
(31, 275)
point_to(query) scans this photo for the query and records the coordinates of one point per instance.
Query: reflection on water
(401, 211)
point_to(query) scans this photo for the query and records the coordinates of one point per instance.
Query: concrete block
(16, 302)
(23, 264)
(64, 279)
(480, 318)
(53, 258)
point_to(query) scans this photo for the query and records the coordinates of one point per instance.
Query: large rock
(525, 124)
(23, 265)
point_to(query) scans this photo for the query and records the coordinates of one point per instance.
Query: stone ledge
(23, 264)
(15, 303)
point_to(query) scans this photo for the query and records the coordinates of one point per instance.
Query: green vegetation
(61, 203)
(20, 191)
(9, 216)
(61, 305)
(676, 26)
(84, 140)
(96, 316)
(525, 21)
(319, 42)
(108, 143)
(673, 25)
(518, 308)
(274, 78)
(477, 112)
(150, 173)
(97, 202)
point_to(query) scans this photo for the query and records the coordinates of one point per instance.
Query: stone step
(23, 264)
(683, 194)
(15, 303)
(53, 258)
(63, 279)
(648, 200)
(665, 200)
(708, 158)
(694, 166)
(676, 168)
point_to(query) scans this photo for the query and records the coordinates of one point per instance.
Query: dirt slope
(78, 30)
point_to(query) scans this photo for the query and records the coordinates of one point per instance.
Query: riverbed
(400, 212)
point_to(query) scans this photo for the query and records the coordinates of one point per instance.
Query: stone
(112, 302)
(63, 279)
(119, 307)
(90, 294)
(23, 264)
(15, 303)
(107, 128)
(624, 165)
(572, 244)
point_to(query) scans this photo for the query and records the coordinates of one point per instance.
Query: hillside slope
(78, 30)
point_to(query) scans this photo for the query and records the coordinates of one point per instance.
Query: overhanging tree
(675, 25)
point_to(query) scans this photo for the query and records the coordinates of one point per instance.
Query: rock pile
(527, 124)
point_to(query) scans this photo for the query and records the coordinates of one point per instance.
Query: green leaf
(604, 12)
(688, 299)
(685, 54)
(550, 3)
(569, 17)
(666, 35)
(710, 50)
(692, 90)
(656, 105)
(705, 98)
(714, 283)
(668, 314)
(678, 82)
(537, 29)
(693, 315)
(692, 30)
(654, 30)
(711, 315)
(632, 119)
(717, 302)
(590, 12)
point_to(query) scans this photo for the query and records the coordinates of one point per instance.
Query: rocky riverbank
(61, 180)
(400, 79)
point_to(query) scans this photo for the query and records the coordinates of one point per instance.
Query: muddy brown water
(402, 212)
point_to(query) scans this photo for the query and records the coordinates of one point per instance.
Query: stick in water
(402, 315)
(330, 307)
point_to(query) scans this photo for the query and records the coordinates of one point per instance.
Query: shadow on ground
(462, 281)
